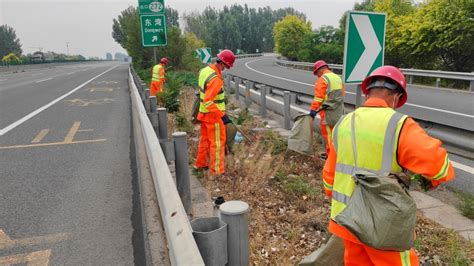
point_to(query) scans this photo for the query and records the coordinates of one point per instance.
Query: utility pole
(67, 47)
(154, 55)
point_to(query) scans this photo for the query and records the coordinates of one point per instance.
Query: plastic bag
(195, 110)
(331, 253)
(380, 213)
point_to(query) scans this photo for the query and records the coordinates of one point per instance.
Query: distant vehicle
(40, 57)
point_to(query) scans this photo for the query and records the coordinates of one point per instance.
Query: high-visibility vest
(334, 83)
(205, 75)
(156, 73)
(375, 132)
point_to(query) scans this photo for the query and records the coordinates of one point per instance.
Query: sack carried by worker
(380, 213)
(334, 109)
(195, 110)
(301, 135)
(331, 253)
(230, 132)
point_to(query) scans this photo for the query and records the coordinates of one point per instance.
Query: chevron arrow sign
(204, 55)
(364, 45)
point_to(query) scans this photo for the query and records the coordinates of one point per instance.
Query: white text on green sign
(364, 45)
(151, 7)
(153, 30)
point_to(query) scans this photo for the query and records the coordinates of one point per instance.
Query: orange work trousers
(359, 254)
(155, 87)
(212, 146)
(326, 131)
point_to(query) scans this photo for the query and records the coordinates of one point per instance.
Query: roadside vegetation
(289, 212)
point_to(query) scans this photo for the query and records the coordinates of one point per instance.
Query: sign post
(152, 22)
(364, 47)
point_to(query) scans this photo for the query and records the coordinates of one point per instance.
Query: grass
(182, 123)
(466, 205)
(293, 184)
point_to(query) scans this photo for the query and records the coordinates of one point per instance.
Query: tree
(441, 31)
(9, 43)
(289, 34)
(11, 57)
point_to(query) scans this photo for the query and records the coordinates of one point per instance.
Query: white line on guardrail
(312, 85)
(41, 109)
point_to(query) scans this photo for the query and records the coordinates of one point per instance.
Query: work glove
(313, 113)
(226, 120)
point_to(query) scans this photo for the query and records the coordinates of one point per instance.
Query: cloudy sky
(86, 25)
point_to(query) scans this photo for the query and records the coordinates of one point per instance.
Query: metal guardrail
(407, 71)
(183, 249)
(288, 104)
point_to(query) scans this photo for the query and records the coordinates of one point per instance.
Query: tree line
(436, 34)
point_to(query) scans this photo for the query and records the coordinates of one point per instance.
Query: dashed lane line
(41, 80)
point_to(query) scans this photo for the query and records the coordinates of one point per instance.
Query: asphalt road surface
(68, 192)
(448, 107)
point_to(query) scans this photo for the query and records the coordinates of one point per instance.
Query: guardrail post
(181, 163)
(237, 84)
(471, 86)
(410, 80)
(438, 80)
(153, 115)
(249, 85)
(263, 100)
(146, 101)
(162, 123)
(358, 96)
(165, 143)
(287, 108)
(235, 215)
(142, 85)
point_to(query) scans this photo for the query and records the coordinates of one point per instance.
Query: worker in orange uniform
(158, 77)
(212, 114)
(329, 99)
(408, 147)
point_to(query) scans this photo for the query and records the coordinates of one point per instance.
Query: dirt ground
(289, 212)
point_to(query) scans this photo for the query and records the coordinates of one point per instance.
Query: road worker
(158, 77)
(328, 99)
(370, 128)
(212, 114)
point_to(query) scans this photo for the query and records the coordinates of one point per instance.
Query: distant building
(120, 56)
(108, 56)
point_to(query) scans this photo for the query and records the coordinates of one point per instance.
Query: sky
(85, 26)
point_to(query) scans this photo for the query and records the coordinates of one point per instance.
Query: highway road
(68, 192)
(441, 106)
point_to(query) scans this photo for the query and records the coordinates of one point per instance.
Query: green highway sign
(151, 7)
(204, 54)
(364, 45)
(153, 30)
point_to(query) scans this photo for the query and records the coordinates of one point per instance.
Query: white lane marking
(463, 167)
(457, 165)
(41, 80)
(311, 85)
(70, 73)
(41, 109)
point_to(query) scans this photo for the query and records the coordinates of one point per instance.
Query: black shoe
(323, 156)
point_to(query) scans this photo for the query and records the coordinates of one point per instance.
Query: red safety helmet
(396, 81)
(227, 57)
(319, 64)
(164, 60)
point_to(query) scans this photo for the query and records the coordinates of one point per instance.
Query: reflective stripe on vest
(374, 132)
(205, 76)
(156, 73)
